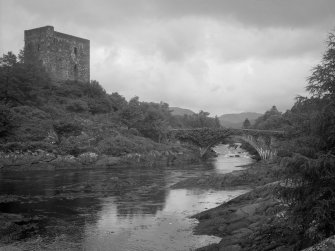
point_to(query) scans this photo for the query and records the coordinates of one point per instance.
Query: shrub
(6, 121)
(99, 105)
(67, 128)
(120, 145)
(116, 146)
(75, 145)
(31, 124)
(25, 146)
(133, 131)
(309, 192)
(77, 106)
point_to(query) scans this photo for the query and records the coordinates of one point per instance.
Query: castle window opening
(75, 51)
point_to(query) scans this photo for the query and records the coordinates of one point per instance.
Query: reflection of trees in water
(35, 197)
(148, 195)
(141, 205)
(69, 194)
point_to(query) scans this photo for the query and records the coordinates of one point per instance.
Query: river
(114, 209)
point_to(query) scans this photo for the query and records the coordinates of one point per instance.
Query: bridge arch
(264, 150)
(263, 141)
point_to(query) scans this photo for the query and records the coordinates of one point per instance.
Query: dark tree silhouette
(246, 123)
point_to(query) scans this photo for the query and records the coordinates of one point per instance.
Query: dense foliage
(246, 124)
(78, 117)
(309, 154)
(309, 190)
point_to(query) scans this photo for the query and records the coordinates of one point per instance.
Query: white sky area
(220, 56)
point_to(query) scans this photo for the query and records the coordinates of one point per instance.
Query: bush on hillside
(98, 106)
(31, 124)
(6, 121)
(66, 128)
(120, 145)
(76, 145)
(27, 146)
(309, 192)
(77, 106)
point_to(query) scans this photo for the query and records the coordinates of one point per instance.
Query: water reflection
(169, 229)
(115, 209)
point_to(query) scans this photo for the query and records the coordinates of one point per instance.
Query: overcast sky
(221, 56)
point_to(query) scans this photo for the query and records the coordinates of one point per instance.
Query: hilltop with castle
(65, 57)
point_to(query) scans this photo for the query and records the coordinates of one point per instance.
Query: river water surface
(114, 209)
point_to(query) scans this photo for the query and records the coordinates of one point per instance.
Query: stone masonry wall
(65, 57)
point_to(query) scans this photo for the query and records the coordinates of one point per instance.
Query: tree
(7, 63)
(246, 123)
(203, 118)
(8, 60)
(322, 81)
(94, 89)
(132, 113)
(22, 83)
(154, 124)
(272, 119)
(117, 101)
(310, 179)
(6, 121)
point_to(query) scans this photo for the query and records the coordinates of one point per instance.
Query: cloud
(216, 55)
(260, 13)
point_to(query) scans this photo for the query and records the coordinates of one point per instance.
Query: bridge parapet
(231, 130)
(206, 138)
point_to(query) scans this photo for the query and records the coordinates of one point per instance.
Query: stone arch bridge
(264, 141)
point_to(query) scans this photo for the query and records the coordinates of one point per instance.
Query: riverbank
(252, 221)
(252, 176)
(42, 160)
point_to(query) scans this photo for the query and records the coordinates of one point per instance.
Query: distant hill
(180, 111)
(235, 120)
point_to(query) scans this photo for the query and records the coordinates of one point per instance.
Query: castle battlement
(65, 57)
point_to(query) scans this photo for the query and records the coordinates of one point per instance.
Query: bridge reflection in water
(265, 142)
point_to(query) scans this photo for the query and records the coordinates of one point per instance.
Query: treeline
(309, 154)
(33, 107)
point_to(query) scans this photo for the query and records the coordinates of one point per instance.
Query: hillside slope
(181, 111)
(235, 120)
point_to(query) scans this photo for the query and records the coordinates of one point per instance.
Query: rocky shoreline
(249, 222)
(252, 221)
(41, 160)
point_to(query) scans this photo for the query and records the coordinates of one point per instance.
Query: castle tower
(65, 57)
